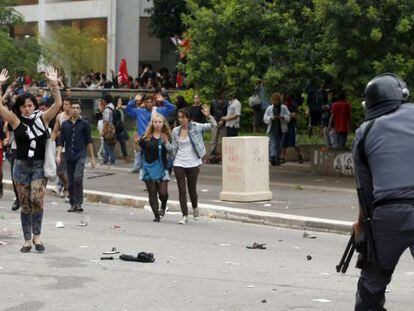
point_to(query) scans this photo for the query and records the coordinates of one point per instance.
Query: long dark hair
(185, 112)
(180, 102)
(21, 100)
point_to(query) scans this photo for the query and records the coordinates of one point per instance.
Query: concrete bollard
(245, 169)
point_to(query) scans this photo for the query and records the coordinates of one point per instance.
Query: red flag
(123, 77)
(179, 80)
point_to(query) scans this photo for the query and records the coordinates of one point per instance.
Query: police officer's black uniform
(384, 169)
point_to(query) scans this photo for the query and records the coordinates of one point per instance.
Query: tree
(76, 51)
(18, 55)
(234, 43)
(360, 39)
(166, 17)
(8, 16)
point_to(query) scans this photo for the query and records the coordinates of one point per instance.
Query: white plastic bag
(254, 100)
(49, 166)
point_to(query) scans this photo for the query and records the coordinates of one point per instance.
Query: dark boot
(72, 209)
(16, 205)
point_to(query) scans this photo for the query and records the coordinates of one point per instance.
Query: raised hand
(4, 76)
(159, 98)
(206, 110)
(52, 76)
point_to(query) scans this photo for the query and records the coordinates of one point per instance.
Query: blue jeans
(275, 146)
(109, 154)
(341, 140)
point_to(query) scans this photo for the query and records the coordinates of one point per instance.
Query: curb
(221, 212)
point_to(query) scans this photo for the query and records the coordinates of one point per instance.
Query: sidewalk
(300, 199)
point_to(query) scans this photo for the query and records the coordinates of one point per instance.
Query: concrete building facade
(124, 25)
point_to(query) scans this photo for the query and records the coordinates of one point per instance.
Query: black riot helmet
(384, 94)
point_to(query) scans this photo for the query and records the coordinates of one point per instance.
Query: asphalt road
(295, 190)
(203, 265)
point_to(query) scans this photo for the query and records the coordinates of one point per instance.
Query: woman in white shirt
(188, 150)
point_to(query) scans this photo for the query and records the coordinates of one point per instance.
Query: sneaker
(67, 200)
(62, 193)
(56, 190)
(79, 208)
(196, 213)
(183, 221)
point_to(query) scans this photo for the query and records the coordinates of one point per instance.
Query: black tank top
(23, 143)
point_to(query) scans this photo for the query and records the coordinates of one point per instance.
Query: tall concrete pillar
(127, 35)
(111, 39)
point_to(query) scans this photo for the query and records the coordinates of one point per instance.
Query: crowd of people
(147, 79)
(29, 126)
(168, 140)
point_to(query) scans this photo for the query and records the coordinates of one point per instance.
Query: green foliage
(345, 43)
(188, 95)
(8, 16)
(165, 18)
(76, 51)
(18, 55)
(360, 39)
(235, 43)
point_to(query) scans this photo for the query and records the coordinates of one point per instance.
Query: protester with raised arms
(30, 128)
(188, 150)
(155, 145)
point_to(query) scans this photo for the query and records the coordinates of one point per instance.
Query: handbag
(254, 100)
(154, 170)
(49, 166)
(109, 132)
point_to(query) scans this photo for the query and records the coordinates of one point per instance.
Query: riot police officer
(384, 169)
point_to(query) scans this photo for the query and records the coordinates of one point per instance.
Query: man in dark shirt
(197, 111)
(75, 136)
